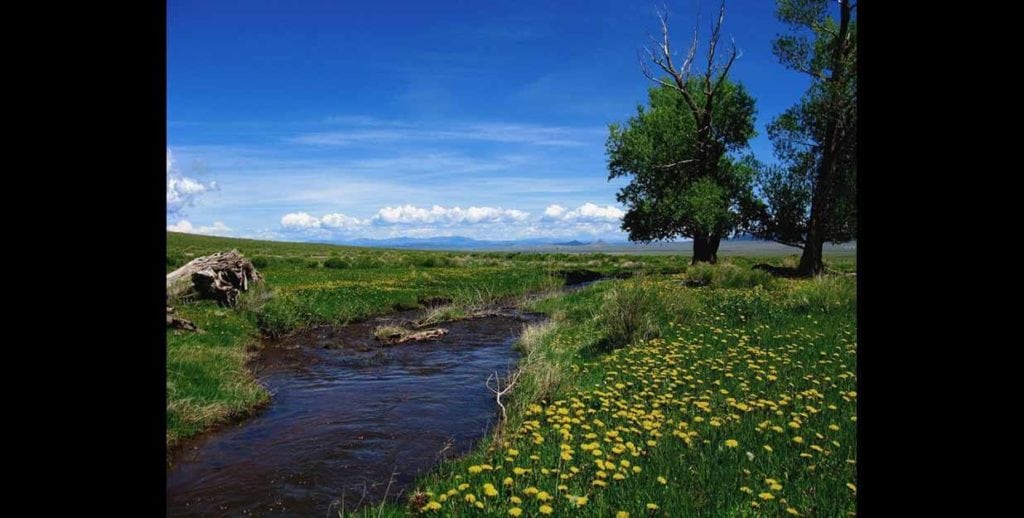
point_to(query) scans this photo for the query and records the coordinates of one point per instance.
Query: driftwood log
(221, 276)
(432, 334)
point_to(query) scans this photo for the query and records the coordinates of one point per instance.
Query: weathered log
(430, 334)
(221, 276)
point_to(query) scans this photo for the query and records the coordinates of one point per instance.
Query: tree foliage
(670, 194)
(811, 198)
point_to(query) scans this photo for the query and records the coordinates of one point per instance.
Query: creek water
(350, 421)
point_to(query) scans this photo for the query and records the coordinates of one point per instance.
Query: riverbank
(644, 396)
(209, 382)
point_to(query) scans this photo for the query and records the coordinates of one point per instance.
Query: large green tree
(680, 152)
(812, 198)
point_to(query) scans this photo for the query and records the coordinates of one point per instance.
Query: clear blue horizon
(342, 120)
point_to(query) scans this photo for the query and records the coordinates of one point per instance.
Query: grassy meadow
(638, 397)
(207, 379)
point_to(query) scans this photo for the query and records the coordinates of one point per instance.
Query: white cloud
(183, 191)
(340, 221)
(410, 215)
(480, 222)
(299, 221)
(373, 131)
(594, 213)
(554, 211)
(217, 229)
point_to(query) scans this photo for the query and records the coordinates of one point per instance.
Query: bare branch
(810, 72)
(716, 32)
(823, 28)
(693, 49)
(794, 245)
(733, 54)
(647, 71)
(499, 391)
(663, 59)
(673, 164)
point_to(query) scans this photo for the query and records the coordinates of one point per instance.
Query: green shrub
(629, 313)
(728, 275)
(336, 263)
(430, 261)
(824, 294)
(261, 261)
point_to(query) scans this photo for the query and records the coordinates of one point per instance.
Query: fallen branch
(498, 391)
(401, 338)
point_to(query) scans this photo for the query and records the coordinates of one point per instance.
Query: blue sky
(335, 120)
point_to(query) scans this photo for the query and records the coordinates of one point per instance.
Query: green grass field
(208, 382)
(638, 397)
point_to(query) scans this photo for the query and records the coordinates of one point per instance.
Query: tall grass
(726, 274)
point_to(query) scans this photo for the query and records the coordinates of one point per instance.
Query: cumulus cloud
(483, 222)
(594, 213)
(319, 227)
(554, 211)
(299, 221)
(217, 229)
(411, 215)
(183, 191)
(340, 221)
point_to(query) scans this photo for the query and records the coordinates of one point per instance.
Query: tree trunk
(810, 261)
(705, 249)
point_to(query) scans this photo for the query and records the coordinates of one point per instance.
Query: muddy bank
(348, 417)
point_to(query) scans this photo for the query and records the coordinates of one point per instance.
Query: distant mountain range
(744, 243)
(468, 243)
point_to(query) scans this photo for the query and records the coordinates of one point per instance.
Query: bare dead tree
(712, 77)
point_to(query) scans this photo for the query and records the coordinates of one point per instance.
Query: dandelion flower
(732, 443)
(652, 506)
(622, 514)
(432, 506)
(662, 480)
(546, 509)
(766, 496)
(798, 439)
(792, 511)
(515, 511)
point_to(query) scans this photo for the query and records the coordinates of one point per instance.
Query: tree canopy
(671, 195)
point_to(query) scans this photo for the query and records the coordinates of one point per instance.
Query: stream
(350, 421)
